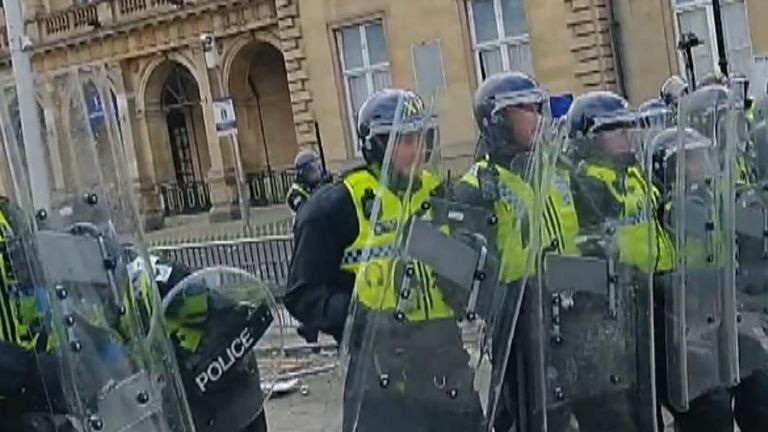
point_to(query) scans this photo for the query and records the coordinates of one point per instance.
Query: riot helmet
(665, 149)
(598, 126)
(508, 109)
(399, 118)
(653, 113)
(309, 168)
(707, 109)
(672, 90)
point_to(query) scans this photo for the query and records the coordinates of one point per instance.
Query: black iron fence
(267, 258)
(270, 187)
(189, 198)
(264, 188)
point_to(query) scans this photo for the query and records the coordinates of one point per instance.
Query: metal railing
(188, 198)
(268, 258)
(270, 187)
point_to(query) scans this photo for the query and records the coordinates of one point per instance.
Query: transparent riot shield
(588, 326)
(759, 136)
(118, 372)
(439, 281)
(228, 337)
(700, 306)
(752, 251)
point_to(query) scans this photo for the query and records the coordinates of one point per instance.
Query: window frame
(502, 41)
(438, 43)
(367, 69)
(693, 5)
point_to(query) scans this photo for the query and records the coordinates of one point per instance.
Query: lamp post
(722, 59)
(20, 47)
(687, 43)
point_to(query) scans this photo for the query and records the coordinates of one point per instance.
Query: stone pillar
(592, 44)
(222, 195)
(291, 43)
(148, 191)
(138, 156)
(34, 8)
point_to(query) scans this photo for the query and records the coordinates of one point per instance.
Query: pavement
(315, 407)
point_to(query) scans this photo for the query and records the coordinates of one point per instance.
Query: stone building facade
(298, 69)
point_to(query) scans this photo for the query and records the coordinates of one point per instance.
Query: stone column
(291, 43)
(222, 195)
(138, 154)
(592, 45)
(34, 8)
(150, 203)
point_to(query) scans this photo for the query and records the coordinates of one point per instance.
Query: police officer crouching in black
(202, 324)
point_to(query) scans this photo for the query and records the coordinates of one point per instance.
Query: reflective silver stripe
(507, 196)
(512, 200)
(356, 256)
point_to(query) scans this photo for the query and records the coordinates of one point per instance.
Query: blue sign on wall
(560, 104)
(94, 106)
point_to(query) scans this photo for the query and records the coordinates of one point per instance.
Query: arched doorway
(177, 137)
(259, 87)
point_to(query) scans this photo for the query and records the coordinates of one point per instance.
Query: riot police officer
(408, 368)
(199, 319)
(687, 199)
(510, 112)
(30, 388)
(712, 409)
(751, 395)
(113, 376)
(310, 174)
(601, 140)
(585, 308)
